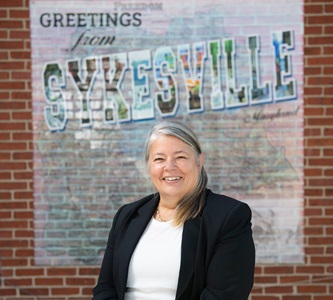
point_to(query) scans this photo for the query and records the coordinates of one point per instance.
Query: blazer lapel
(188, 257)
(131, 236)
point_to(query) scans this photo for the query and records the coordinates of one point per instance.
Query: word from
(93, 40)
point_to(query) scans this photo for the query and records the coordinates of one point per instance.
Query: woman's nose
(170, 164)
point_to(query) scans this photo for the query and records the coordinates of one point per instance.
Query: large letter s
(55, 112)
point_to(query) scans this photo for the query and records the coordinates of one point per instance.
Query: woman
(183, 242)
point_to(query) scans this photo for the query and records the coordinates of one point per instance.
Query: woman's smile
(172, 179)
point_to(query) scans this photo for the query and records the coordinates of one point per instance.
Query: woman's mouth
(171, 179)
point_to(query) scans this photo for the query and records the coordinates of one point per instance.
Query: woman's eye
(181, 157)
(158, 159)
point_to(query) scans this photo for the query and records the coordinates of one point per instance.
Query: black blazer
(217, 255)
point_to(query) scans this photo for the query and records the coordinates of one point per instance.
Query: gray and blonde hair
(191, 205)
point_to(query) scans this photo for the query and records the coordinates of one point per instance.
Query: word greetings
(163, 66)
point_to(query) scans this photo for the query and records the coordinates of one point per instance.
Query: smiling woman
(175, 164)
(184, 241)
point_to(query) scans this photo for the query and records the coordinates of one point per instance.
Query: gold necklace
(159, 216)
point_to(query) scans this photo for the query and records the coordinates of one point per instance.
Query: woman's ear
(202, 159)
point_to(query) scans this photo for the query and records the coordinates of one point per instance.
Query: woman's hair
(191, 205)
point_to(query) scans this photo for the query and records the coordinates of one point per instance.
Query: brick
(8, 291)
(11, 3)
(314, 289)
(5, 195)
(89, 271)
(314, 250)
(265, 279)
(313, 70)
(279, 290)
(321, 182)
(322, 19)
(11, 66)
(24, 253)
(266, 297)
(328, 91)
(20, 282)
(313, 91)
(321, 202)
(33, 272)
(310, 270)
(65, 291)
(5, 156)
(21, 95)
(4, 116)
(12, 205)
(13, 185)
(299, 297)
(13, 224)
(50, 281)
(314, 231)
(12, 105)
(320, 121)
(320, 162)
(313, 51)
(328, 173)
(320, 80)
(80, 281)
(35, 291)
(314, 111)
(328, 29)
(322, 260)
(6, 252)
(24, 233)
(19, 14)
(319, 40)
(15, 262)
(313, 212)
(313, 172)
(21, 75)
(23, 215)
(5, 215)
(23, 175)
(328, 50)
(321, 241)
(294, 278)
(328, 132)
(23, 195)
(313, 9)
(21, 115)
(313, 192)
(278, 270)
(12, 166)
(22, 155)
(316, 61)
(5, 175)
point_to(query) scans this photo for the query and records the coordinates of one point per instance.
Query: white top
(154, 267)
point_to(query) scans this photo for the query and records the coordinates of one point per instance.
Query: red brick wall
(21, 279)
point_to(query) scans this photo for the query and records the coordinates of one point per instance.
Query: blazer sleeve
(105, 288)
(230, 273)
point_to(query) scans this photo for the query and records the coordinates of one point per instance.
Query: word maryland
(160, 70)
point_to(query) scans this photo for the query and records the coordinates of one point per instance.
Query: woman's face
(173, 167)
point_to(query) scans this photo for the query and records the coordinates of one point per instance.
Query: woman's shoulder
(223, 203)
(225, 213)
(136, 205)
